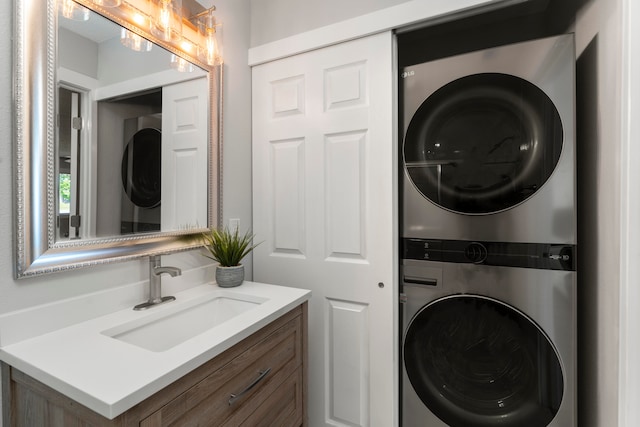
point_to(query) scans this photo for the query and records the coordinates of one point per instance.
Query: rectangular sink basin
(165, 329)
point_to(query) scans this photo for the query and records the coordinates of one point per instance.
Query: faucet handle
(171, 271)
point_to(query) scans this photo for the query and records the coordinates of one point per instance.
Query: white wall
(112, 55)
(276, 19)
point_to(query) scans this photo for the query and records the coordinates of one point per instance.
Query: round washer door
(477, 362)
(483, 143)
(141, 168)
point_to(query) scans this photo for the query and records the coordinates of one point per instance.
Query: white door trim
(629, 351)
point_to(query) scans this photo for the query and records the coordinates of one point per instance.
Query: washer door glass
(483, 143)
(476, 362)
(141, 168)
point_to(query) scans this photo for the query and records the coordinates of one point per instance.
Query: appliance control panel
(546, 256)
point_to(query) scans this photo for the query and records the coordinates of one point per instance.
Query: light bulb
(134, 41)
(167, 23)
(72, 10)
(209, 51)
(180, 64)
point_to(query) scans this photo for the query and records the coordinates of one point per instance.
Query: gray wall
(77, 53)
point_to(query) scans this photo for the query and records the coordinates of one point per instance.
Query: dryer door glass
(476, 362)
(483, 143)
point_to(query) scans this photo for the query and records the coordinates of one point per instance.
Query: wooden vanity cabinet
(266, 372)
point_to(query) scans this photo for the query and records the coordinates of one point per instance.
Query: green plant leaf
(227, 247)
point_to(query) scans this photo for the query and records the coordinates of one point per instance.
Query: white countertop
(110, 376)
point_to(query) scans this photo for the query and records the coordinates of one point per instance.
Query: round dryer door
(477, 362)
(483, 143)
(141, 168)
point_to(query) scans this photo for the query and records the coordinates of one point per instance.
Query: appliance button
(475, 252)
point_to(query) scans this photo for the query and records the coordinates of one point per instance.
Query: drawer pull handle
(236, 396)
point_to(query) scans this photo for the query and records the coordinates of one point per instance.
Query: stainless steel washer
(141, 174)
(489, 334)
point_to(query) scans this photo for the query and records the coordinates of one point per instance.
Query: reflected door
(184, 154)
(68, 182)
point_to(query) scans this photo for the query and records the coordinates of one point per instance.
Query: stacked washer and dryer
(488, 275)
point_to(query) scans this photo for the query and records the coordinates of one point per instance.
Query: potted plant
(228, 248)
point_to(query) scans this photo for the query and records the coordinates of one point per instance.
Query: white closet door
(323, 164)
(185, 125)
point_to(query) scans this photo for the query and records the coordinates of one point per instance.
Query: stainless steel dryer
(489, 334)
(488, 148)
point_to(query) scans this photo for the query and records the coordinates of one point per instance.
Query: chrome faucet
(155, 285)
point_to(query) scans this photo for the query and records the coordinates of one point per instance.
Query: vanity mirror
(117, 143)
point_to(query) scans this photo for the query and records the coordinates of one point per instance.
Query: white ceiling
(97, 28)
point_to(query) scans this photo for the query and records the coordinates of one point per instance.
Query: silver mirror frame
(34, 81)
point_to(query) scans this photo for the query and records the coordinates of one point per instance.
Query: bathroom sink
(166, 328)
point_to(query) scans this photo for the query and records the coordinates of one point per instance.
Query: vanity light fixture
(134, 41)
(209, 47)
(167, 20)
(72, 10)
(195, 34)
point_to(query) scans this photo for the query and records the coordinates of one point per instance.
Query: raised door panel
(345, 196)
(286, 213)
(323, 164)
(348, 362)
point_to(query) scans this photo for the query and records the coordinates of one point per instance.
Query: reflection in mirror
(117, 143)
(128, 91)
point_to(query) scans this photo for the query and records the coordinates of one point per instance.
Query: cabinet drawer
(208, 402)
(282, 406)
